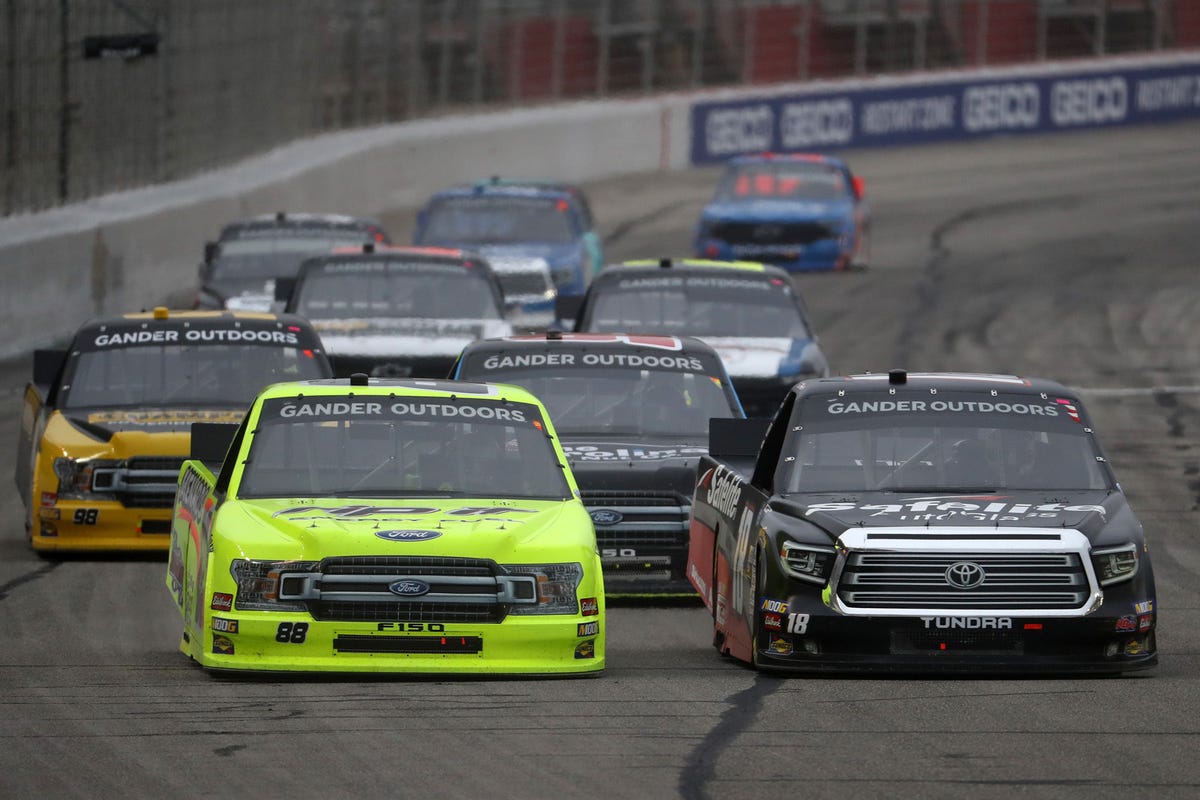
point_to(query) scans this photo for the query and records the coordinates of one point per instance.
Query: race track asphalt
(1072, 257)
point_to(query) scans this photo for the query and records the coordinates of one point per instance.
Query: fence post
(981, 32)
(64, 101)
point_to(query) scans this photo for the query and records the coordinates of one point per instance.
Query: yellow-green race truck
(370, 525)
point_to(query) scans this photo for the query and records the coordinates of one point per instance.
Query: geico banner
(941, 111)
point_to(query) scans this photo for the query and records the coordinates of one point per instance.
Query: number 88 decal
(291, 632)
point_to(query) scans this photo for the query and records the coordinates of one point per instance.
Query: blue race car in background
(799, 212)
(538, 236)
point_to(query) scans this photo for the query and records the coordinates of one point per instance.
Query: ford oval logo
(965, 575)
(408, 536)
(606, 516)
(409, 588)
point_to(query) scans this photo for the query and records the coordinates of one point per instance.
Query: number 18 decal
(797, 623)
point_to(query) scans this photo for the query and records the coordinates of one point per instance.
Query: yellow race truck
(106, 422)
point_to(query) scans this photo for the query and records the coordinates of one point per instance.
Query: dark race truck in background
(937, 522)
(633, 415)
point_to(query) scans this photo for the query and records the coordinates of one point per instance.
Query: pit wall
(128, 251)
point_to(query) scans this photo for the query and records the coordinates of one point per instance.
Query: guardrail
(103, 95)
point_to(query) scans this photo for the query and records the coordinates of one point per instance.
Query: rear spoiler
(283, 289)
(46, 366)
(736, 438)
(211, 440)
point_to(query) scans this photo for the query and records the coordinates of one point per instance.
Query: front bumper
(910, 645)
(821, 255)
(93, 526)
(295, 642)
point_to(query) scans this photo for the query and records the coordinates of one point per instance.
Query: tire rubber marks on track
(6, 588)
(701, 763)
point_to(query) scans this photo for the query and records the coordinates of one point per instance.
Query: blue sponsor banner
(963, 108)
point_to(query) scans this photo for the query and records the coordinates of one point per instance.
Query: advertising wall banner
(960, 108)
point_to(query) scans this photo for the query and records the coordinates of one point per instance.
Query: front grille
(646, 519)
(356, 589)
(771, 233)
(141, 482)
(918, 580)
(642, 536)
(518, 284)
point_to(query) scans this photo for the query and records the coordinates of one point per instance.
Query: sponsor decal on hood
(161, 418)
(1026, 508)
(608, 451)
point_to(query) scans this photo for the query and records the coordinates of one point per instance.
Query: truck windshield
(268, 258)
(618, 400)
(183, 375)
(697, 307)
(783, 180)
(949, 442)
(401, 447)
(443, 293)
(498, 220)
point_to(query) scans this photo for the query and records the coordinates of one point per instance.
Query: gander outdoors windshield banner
(962, 108)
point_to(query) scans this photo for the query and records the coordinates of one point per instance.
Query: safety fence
(101, 95)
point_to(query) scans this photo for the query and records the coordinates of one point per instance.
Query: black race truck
(916, 523)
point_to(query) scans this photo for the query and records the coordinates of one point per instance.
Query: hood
(608, 465)
(753, 357)
(777, 210)
(552, 253)
(1092, 513)
(254, 294)
(105, 424)
(392, 336)
(499, 529)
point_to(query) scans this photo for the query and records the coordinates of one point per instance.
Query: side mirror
(210, 251)
(568, 308)
(422, 218)
(859, 186)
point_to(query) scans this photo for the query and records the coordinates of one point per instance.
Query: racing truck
(925, 522)
(633, 412)
(106, 422)
(397, 312)
(367, 525)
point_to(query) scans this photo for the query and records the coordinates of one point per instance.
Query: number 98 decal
(86, 516)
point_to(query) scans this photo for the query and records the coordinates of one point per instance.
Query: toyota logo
(965, 575)
(606, 516)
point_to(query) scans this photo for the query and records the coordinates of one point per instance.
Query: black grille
(142, 482)
(771, 233)
(375, 571)
(1013, 581)
(520, 283)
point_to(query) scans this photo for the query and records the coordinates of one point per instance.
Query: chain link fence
(102, 95)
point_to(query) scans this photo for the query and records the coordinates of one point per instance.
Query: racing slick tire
(756, 633)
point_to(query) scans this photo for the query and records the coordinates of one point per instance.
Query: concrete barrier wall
(128, 251)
